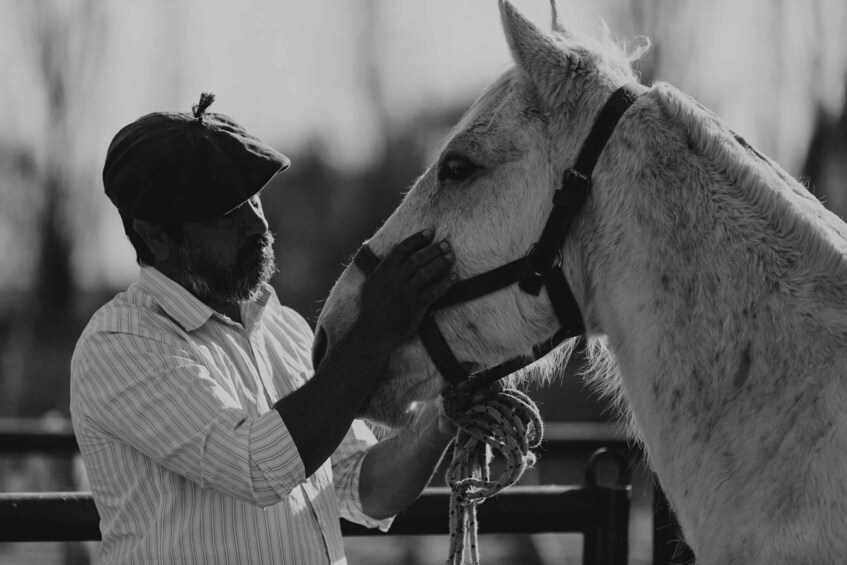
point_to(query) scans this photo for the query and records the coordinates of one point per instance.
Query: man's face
(226, 260)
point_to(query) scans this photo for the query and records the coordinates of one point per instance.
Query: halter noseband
(541, 267)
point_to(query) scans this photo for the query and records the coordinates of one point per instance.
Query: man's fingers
(413, 274)
(437, 288)
(435, 269)
(408, 246)
(423, 257)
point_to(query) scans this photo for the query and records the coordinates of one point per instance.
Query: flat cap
(174, 167)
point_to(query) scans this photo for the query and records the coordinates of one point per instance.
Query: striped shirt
(189, 464)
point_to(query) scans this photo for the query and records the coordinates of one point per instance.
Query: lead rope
(509, 423)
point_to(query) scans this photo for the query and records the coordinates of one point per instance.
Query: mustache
(259, 243)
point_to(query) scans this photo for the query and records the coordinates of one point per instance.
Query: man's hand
(396, 295)
(396, 470)
(394, 299)
(432, 419)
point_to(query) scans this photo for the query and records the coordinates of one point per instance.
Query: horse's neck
(721, 286)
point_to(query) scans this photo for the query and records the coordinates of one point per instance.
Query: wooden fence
(597, 510)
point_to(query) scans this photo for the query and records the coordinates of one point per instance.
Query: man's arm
(146, 391)
(393, 301)
(396, 470)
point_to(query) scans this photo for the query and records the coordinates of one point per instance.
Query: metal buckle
(533, 283)
(574, 181)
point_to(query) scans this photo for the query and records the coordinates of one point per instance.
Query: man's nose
(253, 219)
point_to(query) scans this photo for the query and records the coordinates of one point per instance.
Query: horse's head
(489, 193)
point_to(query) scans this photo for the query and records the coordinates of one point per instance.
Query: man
(207, 435)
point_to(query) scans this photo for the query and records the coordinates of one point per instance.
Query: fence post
(608, 542)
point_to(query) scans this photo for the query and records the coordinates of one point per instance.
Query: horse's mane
(599, 371)
(767, 185)
(756, 179)
(819, 237)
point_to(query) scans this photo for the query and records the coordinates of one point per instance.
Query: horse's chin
(391, 416)
(395, 401)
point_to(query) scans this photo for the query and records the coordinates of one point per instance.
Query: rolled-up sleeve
(150, 393)
(346, 469)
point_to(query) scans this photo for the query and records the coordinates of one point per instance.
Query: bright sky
(291, 71)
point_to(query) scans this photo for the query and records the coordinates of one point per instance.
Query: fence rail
(599, 512)
(22, 436)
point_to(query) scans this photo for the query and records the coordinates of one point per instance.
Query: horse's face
(489, 193)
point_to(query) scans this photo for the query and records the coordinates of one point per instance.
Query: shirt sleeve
(346, 469)
(150, 393)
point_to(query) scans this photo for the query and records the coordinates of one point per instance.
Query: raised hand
(413, 274)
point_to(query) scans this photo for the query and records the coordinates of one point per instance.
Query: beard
(215, 281)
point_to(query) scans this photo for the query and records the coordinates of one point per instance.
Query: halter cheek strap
(539, 268)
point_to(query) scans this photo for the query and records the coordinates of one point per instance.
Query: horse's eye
(455, 167)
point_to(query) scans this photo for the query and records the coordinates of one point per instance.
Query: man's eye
(226, 219)
(455, 167)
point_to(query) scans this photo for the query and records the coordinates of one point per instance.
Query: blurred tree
(826, 162)
(372, 46)
(68, 44)
(65, 43)
(767, 67)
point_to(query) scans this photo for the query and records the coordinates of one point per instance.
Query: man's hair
(143, 255)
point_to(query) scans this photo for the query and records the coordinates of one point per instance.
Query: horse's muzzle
(319, 348)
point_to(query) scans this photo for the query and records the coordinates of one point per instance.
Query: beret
(174, 167)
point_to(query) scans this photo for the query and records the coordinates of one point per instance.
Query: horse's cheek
(342, 307)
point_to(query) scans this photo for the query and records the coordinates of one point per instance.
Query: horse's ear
(534, 51)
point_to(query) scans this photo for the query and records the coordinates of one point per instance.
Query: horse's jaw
(402, 388)
(408, 377)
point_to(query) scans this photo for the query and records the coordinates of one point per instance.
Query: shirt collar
(188, 310)
(185, 308)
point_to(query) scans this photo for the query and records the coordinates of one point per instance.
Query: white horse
(713, 287)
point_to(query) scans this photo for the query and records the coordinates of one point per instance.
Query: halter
(541, 267)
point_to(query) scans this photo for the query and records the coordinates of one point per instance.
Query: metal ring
(560, 257)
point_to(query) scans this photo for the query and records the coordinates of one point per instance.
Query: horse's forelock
(615, 49)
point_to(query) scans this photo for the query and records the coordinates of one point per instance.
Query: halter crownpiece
(541, 267)
(508, 420)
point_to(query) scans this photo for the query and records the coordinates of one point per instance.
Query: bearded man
(207, 435)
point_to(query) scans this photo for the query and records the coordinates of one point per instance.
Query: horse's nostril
(319, 348)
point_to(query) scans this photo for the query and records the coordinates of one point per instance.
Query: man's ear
(157, 240)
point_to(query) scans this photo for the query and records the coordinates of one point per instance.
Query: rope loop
(508, 423)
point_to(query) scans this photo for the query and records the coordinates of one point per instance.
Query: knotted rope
(507, 422)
